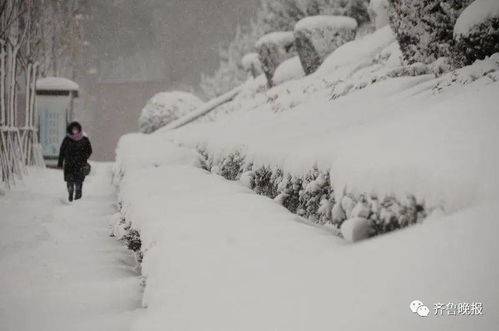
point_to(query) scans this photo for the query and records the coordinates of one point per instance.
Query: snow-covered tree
(424, 29)
(476, 32)
(318, 36)
(166, 107)
(273, 16)
(273, 49)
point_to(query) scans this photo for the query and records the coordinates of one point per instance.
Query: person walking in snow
(74, 153)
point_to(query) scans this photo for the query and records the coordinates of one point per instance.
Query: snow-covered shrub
(120, 226)
(316, 197)
(264, 182)
(476, 32)
(288, 70)
(424, 29)
(378, 11)
(251, 63)
(318, 36)
(166, 107)
(312, 196)
(232, 166)
(289, 192)
(132, 238)
(273, 49)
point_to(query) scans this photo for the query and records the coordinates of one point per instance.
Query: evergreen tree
(271, 17)
(424, 29)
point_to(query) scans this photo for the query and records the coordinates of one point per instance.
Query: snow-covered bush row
(122, 230)
(476, 32)
(425, 40)
(312, 197)
(376, 51)
(273, 49)
(220, 250)
(166, 107)
(396, 136)
(137, 152)
(318, 36)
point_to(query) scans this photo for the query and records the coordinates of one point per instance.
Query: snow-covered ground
(59, 269)
(219, 257)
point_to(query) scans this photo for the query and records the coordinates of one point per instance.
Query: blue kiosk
(54, 102)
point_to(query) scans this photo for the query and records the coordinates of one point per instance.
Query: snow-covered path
(59, 269)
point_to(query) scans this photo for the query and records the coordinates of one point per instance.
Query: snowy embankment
(434, 138)
(219, 257)
(59, 269)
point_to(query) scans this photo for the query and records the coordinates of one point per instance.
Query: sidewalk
(59, 269)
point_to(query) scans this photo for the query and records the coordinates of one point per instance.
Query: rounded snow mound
(476, 13)
(166, 107)
(289, 70)
(356, 229)
(323, 21)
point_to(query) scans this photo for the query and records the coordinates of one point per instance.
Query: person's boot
(78, 190)
(70, 191)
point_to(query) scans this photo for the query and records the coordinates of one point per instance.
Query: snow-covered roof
(322, 21)
(477, 12)
(280, 38)
(56, 84)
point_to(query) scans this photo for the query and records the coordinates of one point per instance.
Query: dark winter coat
(74, 155)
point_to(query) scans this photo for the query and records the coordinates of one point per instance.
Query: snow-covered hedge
(318, 36)
(424, 29)
(476, 32)
(166, 107)
(312, 197)
(273, 49)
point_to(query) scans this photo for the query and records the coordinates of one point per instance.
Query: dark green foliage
(232, 166)
(424, 28)
(481, 42)
(132, 239)
(263, 182)
(312, 196)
